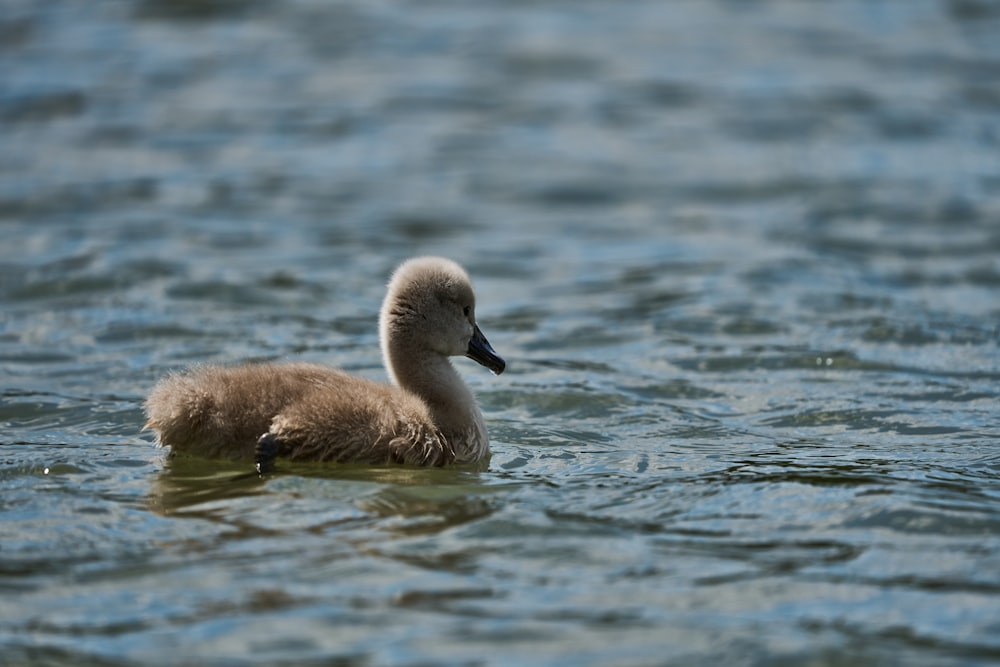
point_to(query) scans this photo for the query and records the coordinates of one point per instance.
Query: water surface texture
(743, 259)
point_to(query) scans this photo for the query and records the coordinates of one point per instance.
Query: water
(742, 259)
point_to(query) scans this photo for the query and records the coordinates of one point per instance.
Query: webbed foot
(268, 449)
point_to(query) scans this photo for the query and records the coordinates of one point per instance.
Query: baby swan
(308, 412)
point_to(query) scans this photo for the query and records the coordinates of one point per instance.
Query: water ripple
(742, 262)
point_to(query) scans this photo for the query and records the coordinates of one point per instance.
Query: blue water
(742, 259)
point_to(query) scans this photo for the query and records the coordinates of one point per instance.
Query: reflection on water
(187, 483)
(413, 500)
(742, 259)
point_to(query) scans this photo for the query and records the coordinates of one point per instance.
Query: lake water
(743, 260)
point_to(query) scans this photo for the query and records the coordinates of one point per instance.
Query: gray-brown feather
(317, 413)
(427, 416)
(355, 420)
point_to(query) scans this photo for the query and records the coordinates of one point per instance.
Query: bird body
(310, 412)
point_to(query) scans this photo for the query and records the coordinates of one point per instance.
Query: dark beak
(481, 352)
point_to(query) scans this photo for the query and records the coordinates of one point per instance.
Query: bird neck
(453, 407)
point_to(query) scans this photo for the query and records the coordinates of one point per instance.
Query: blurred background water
(742, 258)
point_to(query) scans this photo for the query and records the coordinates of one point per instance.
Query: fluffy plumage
(309, 412)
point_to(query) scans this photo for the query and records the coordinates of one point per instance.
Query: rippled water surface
(743, 260)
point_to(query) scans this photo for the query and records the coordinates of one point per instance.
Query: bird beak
(482, 353)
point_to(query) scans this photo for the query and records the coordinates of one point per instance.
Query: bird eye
(467, 310)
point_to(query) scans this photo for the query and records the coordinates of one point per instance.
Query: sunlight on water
(742, 261)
